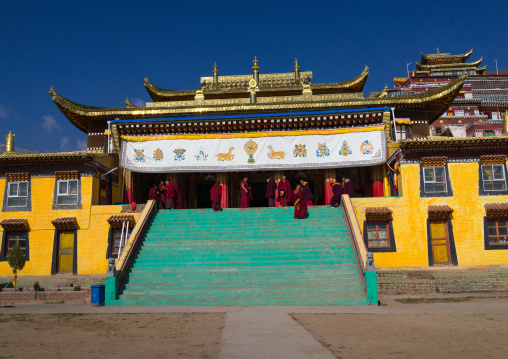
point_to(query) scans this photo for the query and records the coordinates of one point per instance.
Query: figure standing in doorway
(299, 202)
(154, 194)
(271, 187)
(284, 189)
(308, 197)
(171, 195)
(216, 196)
(245, 193)
(162, 191)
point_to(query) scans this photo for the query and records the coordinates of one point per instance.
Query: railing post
(371, 280)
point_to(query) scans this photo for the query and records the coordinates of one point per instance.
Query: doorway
(65, 251)
(440, 242)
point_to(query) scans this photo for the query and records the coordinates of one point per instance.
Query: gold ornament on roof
(253, 86)
(255, 67)
(296, 64)
(215, 71)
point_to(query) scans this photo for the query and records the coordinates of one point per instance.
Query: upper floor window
(493, 177)
(67, 192)
(403, 132)
(434, 179)
(17, 194)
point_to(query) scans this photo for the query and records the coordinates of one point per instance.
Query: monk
(216, 196)
(271, 187)
(170, 195)
(299, 202)
(307, 193)
(245, 194)
(347, 187)
(284, 189)
(154, 194)
(162, 190)
(337, 191)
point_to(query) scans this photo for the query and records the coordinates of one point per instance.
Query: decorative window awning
(255, 151)
(493, 159)
(15, 224)
(65, 223)
(439, 211)
(403, 121)
(118, 219)
(66, 175)
(496, 210)
(378, 214)
(434, 161)
(17, 177)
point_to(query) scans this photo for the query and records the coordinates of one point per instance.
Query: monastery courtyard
(404, 326)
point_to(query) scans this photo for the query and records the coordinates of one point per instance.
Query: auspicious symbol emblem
(253, 86)
(250, 147)
(179, 154)
(344, 150)
(226, 156)
(158, 155)
(300, 151)
(201, 154)
(275, 155)
(366, 147)
(322, 150)
(139, 155)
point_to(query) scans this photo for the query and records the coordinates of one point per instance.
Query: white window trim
(17, 193)
(494, 180)
(434, 170)
(401, 132)
(67, 194)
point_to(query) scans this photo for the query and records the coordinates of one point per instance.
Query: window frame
(390, 238)
(8, 208)
(9, 184)
(57, 195)
(492, 192)
(487, 237)
(4, 251)
(112, 251)
(68, 194)
(448, 188)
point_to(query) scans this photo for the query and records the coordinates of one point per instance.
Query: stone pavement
(270, 332)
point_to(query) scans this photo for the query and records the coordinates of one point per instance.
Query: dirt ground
(162, 335)
(407, 336)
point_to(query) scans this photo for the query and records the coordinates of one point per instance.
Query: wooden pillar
(329, 177)
(386, 183)
(223, 177)
(128, 195)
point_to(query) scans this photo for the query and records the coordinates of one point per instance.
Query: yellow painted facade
(92, 232)
(410, 215)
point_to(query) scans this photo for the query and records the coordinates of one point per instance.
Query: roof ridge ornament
(255, 67)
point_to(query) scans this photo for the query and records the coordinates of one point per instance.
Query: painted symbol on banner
(158, 155)
(275, 155)
(201, 154)
(344, 150)
(226, 156)
(322, 150)
(250, 147)
(179, 154)
(366, 147)
(300, 151)
(139, 155)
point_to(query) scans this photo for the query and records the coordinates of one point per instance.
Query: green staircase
(255, 256)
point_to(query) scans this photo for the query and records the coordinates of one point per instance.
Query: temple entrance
(203, 195)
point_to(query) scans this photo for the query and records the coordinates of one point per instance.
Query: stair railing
(115, 279)
(364, 258)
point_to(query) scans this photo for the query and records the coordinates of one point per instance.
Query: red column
(224, 180)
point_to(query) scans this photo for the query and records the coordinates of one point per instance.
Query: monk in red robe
(162, 191)
(170, 195)
(271, 188)
(308, 197)
(284, 190)
(216, 196)
(337, 191)
(154, 194)
(299, 203)
(245, 194)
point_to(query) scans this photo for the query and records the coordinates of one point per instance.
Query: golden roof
(441, 141)
(443, 56)
(446, 66)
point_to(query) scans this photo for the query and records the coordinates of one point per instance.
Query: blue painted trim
(253, 115)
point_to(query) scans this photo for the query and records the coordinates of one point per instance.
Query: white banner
(255, 151)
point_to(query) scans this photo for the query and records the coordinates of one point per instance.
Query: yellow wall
(410, 219)
(92, 234)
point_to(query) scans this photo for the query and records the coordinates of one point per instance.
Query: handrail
(137, 235)
(354, 230)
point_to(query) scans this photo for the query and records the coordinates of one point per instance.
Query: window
(378, 235)
(493, 177)
(67, 192)
(488, 133)
(434, 179)
(17, 194)
(13, 237)
(496, 233)
(402, 132)
(116, 238)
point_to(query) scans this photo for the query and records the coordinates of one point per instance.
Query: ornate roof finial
(215, 71)
(255, 67)
(438, 50)
(51, 91)
(9, 144)
(296, 64)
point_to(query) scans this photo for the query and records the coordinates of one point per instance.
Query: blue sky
(98, 52)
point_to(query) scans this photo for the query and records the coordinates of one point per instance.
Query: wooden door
(440, 242)
(65, 251)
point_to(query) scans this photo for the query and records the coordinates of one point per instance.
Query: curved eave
(355, 85)
(435, 103)
(462, 57)
(159, 95)
(450, 65)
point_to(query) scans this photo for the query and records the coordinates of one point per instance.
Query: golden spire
(296, 64)
(255, 67)
(215, 71)
(438, 50)
(9, 144)
(505, 124)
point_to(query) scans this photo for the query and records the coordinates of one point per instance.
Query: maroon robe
(348, 188)
(271, 187)
(170, 196)
(300, 205)
(285, 189)
(337, 190)
(155, 195)
(216, 196)
(245, 196)
(307, 194)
